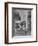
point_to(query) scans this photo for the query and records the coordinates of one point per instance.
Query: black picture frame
(6, 22)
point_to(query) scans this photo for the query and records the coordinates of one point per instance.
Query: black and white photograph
(20, 22)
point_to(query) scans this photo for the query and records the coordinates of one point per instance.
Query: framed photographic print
(20, 22)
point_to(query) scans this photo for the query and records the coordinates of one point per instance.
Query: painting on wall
(20, 22)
